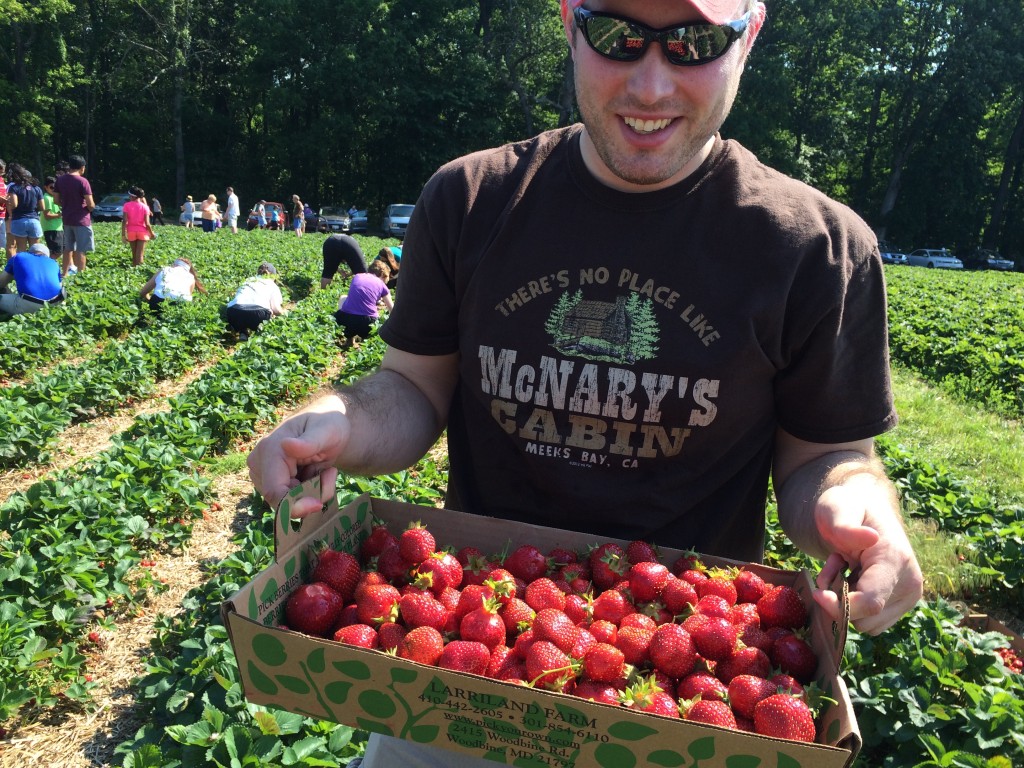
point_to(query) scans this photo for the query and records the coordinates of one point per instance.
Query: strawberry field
(92, 531)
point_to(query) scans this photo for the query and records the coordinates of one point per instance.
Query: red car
(253, 221)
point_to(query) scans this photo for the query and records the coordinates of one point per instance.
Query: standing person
(275, 218)
(337, 249)
(210, 212)
(357, 310)
(3, 208)
(51, 220)
(261, 214)
(255, 302)
(188, 210)
(73, 193)
(157, 210)
(232, 211)
(136, 224)
(37, 277)
(24, 205)
(174, 283)
(298, 216)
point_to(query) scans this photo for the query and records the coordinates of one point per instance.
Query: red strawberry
(503, 583)
(505, 664)
(678, 595)
(527, 563)
(745, 661)
(720, 585)
(560, 556)
(782, 606)
(483, 625)
(641, 620)
(580, 609)
(556, 627)
(544, 593)
(604, 631)
(713, 605)
(595, 691)
(695, 576)
(366, 579)
(641, 552)
(443, 571)
(548, 667)
(465, 656)
(745, 691)
(338, 570)
(348, 615)
(604, 663)
(795, 657)
(390, 635)
(392, 566)
(313, 609)
(782, 716)
(709, 711)
(646, 696)
(688, 561)
(716, 638)
(584, 642)
(472, 597)
(749, 587)
(647, 579)
(523, 642)
(416, 543)
(703, 685)
(378, 540)
(422, 609)
(607, 564)
(672, 650)
(358, 634)
(787, 684)
(635, 643)
(744, 615)
(378, 603)
(756, 638)
(517, 616)
(611, 605)
(467, 554)
(423, 645)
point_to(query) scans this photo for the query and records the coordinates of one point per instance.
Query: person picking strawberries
(641, 381)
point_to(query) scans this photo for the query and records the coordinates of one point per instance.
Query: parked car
(983, 258)
(934, 258)
(396, 219)
(359, 221)
(253, 221)
(893, 257)
(333, 218)
(110, 208)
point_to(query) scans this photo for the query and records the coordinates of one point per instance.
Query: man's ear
(757, 17)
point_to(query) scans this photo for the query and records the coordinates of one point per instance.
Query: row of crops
(928, 692)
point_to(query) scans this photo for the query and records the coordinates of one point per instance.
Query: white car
(934, 258)
(396, 219)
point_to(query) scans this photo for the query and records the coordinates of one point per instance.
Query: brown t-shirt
(625, 359)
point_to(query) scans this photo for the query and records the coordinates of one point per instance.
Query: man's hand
(858, 528)
(305, 445)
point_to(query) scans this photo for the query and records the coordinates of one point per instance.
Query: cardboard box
(982, 622)
(487, 718)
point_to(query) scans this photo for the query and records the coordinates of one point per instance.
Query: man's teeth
(647, 126)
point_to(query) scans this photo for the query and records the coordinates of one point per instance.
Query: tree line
(910, 111)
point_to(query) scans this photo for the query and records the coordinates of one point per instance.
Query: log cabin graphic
(620, 331)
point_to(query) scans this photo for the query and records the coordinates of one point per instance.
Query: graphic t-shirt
(626, 359)
(73, 189)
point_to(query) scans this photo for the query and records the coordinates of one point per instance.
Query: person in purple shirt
(357, 310)
(74, 195)
(37, 277)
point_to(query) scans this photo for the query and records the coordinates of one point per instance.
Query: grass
(983, 450)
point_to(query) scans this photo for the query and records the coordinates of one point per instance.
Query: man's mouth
(646, 126)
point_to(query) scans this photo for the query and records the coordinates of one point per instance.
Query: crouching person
(255, 302)
(357, 309)
(174, 283)
(37, 278)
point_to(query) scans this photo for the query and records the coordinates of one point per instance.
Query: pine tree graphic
(622, 331)
(643, 333)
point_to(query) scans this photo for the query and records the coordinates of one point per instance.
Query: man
(37, 277)
(73, 193)
(158, 210)
(232, 211)
(642, 380)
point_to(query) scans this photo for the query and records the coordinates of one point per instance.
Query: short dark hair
(76, 162)
(48, 181)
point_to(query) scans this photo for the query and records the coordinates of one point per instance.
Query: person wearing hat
(643, 381)
(136, 224)
(174, 283)
(255, 302)
(188, 209)
(37, 277)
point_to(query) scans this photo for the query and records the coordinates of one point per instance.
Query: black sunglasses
(620, 38)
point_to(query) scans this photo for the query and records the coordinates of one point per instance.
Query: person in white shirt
(255, 302)
(232, 211)
(173, 283)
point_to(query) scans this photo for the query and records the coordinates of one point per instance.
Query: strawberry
(604, 631)
(422, 609)
(695, 576)
(483, 625)
(744, 615)
(423, 645)
(749, 587)
(678, 595)
(795, 657)
(592, 690)
(338, 570)
(544, 593)
(703, 685)
(527, 563)
(390, 635)
(647, 579)
(607, 564)
(443, 571)
(783, 716)
(646, 696)
(716, 638)
(719, 584)
(503, 583)
(641, 552)
(656, 612)
(756, 637)
(465, 656)
(584, 642)
(635, 644)
(709, 711)
(604, 663)
(747, 660)
(468, 554)
(745, 691)
(476, 570)
(313, 609)
(787, 684)
(556, 627)
(641, 620)
(782, 606)
(377, 604)
(416, 543)
(560, 556)
(358, 634)
(366, 579)
(548, 667)
(517, 616)
(523, 642)
(505, 664)
(378, 540)
(349, 615)
(472, 597)
(672, 650)
(392, 566)
(688, 561)
(713, 605)
(611, 605)
(579, 608)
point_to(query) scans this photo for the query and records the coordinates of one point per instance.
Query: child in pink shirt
(136, 228)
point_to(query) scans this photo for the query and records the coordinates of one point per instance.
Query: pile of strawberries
(1011, 660)
(614, 625)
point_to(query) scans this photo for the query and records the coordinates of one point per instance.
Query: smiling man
(628, 326)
